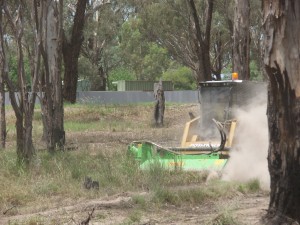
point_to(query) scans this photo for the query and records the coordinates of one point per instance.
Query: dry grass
(102, 134)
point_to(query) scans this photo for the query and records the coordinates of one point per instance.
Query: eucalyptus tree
(221, 37)
(72, 42)
(281, 59)
(256, 41)
(35, 30)
(184, 28)
(19, 16)
(3, 74)
(241, 36)
(146, 58)
(50, 14)
(101, 37)
(73, 38)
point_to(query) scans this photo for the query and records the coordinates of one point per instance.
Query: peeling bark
(282, 54)
(51, 100)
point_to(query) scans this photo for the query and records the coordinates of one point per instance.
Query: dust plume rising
(248, 158)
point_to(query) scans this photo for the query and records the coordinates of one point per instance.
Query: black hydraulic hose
(222, 134)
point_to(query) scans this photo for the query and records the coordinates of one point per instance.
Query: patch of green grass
(195, 194)
(48, 188)
(166, 196)
(135, 216)
(251, 186)
(225, 218)
(90, 117)
(99, 125)
(139, 200)
(37, 116)
(34, 220)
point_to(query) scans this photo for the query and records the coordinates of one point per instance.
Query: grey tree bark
(3, 74)
(282, 54)
(241, 36)
(23, 102)
(51, 99)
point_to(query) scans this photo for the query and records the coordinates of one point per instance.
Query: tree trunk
(201, 42)
(24, 105)
(2, 114)
(19, 134)
(52, 102)
(71, 50)
(241, 42)
(103, 78)
(25, 149)
(3, 74)
(282, 28)
(71, 73)
(217, 65)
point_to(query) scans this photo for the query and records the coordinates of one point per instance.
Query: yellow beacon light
(235, 76)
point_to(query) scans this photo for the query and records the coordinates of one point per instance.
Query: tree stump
(159, 108)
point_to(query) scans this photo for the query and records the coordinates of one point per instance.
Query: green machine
(207, 139)
(189, 159)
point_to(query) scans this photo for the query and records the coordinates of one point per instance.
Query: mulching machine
(208, 138)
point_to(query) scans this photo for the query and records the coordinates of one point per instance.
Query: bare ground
(120, 209)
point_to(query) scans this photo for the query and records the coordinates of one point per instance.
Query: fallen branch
(8, 209)
(87, 220)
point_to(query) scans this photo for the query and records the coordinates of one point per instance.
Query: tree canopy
(48, 46)
(149, 37)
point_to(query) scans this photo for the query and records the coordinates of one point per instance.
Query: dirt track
(118, 209)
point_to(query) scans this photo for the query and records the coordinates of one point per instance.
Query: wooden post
(159, 108)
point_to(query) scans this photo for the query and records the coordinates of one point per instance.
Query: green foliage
(86, 69)
(13, 69)
(255, 72)
(221, 35)
(182, 78)
(100, 47)
(147, 59)
(155, 62)
(120, 73)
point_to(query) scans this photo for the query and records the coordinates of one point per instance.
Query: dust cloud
(248, 158)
